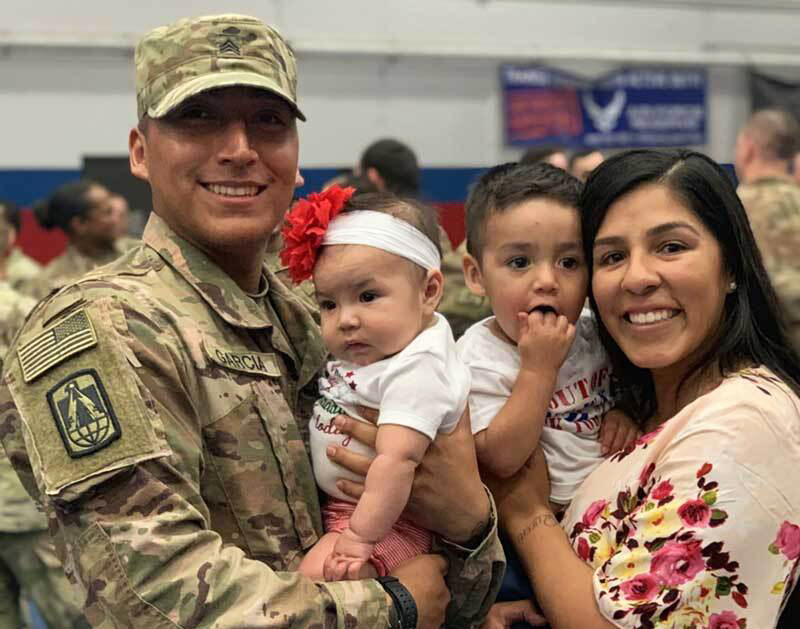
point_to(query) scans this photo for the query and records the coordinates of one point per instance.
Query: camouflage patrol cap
(192, 55)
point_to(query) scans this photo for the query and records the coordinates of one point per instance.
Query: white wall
(421, 70)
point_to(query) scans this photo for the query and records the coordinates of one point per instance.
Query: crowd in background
(95, 221)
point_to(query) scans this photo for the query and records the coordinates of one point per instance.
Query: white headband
(386, 232)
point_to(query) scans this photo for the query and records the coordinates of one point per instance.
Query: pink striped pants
(406, 539)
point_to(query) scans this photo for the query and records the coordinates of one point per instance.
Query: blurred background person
(84, 210)
(554, 155)
(19, 268)
(121, 215)
(29, 570)
(583, 162)
(764, 156)
(391, 166)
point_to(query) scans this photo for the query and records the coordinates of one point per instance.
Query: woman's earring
(732, 286)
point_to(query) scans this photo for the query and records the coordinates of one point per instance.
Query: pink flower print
(644, 476)
(724, 620)
(695, 513)
(662, 491)
(676, 563)
(592, 513)
(788, 540)
(583, 549)
(642, 587)
(704, 469)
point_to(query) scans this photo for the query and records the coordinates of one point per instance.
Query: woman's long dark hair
(752, 331)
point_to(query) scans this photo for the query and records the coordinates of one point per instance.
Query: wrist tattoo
(540, 520)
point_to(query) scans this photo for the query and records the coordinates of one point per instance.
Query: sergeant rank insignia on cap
(229, 42)
(55, 344)
(83, 413)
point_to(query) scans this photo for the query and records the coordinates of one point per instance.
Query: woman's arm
(561, 580)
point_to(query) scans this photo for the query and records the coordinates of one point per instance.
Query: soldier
(459, 305)
(765, 148)
(84, 211)
(28, 567)
(158, 406)
(20, 268)
(582, 163)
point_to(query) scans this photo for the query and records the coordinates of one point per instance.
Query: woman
(84, 210)
(696, 524)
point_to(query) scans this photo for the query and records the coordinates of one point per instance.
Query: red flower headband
(306, 224)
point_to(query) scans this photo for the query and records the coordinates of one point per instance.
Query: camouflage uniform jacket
(156, 410)
(18, 512)
(69, 266)
(773, 207)
(461, 307)
(21, 268)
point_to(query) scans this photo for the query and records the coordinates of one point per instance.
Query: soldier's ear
(137, 154)
(472, 275)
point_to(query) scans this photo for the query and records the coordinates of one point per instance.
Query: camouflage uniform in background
(461, 307)
(165, 415)
(14, 307)
(29, 569)
(21, 269)
(773, 208)
(69, 266)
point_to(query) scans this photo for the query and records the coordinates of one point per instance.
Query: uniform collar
(215, 286)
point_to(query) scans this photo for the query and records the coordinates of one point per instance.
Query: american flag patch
(56, 343)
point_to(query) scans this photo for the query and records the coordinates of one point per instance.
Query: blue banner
(633, 107)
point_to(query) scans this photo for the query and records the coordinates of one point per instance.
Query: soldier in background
(84, 211)
(20, 268)
(459, 305)
(553, 155)
(765, 149)
(29, 569)
(583, 162)
(158, 406)
(390, 165)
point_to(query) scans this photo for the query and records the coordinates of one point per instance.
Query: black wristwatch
(403, 612)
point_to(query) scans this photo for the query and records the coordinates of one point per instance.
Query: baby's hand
(616, 431)
(349, 559)
(544, 339)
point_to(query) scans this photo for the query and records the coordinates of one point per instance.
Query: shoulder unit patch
(56, 343)
(83, 413)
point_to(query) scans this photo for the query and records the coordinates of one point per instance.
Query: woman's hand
(616, 431)
(456, 514)
(504, 615)
(523, 494)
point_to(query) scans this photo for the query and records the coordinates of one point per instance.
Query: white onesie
(581, 398)
(424, 386)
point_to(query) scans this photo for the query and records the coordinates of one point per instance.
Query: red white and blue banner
(633, 107)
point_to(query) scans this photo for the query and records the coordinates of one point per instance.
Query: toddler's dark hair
(510, 184)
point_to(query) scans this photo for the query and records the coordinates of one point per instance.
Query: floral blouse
(697, 524)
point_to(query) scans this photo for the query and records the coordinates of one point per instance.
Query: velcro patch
(248, 362)
(83, 413)
(55, 344)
